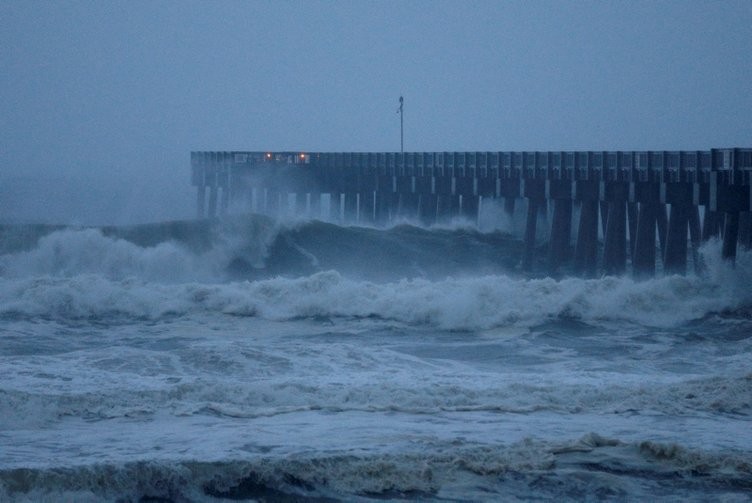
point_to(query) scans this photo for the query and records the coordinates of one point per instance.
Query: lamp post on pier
(402, 130)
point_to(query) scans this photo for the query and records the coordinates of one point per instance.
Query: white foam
(70, 253)
(119, 279)
(83, 274)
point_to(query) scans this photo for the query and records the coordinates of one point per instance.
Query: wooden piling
(444, 207)
(201, 201)
(335, 206)
(301, 203)
(470, 207)
(586, 250)
(643, 263)
(212, 201)
(561, 230)
(530, 228)
(615, 247)
(604, 207)
(366, 203)
(224, 199)
(250, 199)
(314, 205)
(382, 204)
(710, 225)
(695, 237)
(509, 207)
(661, 220)
(351, 207)
(745, 230)
(408, 205)
(632, 223)
(427, 209)
(730, 236)
(675, 258)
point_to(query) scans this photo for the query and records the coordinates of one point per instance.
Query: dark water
(308, 361)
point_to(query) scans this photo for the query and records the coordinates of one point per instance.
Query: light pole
(402, 130)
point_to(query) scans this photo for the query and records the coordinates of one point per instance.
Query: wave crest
(450, 279)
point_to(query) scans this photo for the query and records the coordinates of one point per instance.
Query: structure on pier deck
(631, 194)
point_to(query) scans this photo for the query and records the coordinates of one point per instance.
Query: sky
(102, 101)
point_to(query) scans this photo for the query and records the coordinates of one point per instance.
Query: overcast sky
(113, 95)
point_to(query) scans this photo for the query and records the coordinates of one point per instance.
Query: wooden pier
(622, 199)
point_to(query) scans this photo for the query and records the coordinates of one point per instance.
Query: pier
(601, 210)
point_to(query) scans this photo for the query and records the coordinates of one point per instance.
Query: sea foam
(83, 274)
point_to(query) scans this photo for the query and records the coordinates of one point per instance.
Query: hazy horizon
(103, 101)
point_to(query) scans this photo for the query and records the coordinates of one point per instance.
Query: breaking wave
(251, 248)
(456, 279)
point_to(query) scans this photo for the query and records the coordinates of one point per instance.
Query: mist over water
(105, 196)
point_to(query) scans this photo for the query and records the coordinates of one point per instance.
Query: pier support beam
(509, 207)
(675, 258)
(201, 201)
(284, 204)
(730, 236)
(745, 230)
(561, 230)
(383, 204)
(224, 200)
(643, 263)
(680, 196)
(588, 193)
(586, 251)
(351, 207)
(470, 207)
(661, 220)
(366, 201)
(394, 206)
(335, 210)
(615, 247)
(408, 205)
(530, 228)
(535, 193)
(445, 206)
(212, 201)
(301, 203)
(711, 224)
(272, 202)
(695, 237)
(604, 206)
(632, 223)
(250, 199)
(615, 235)
(314, 205)
(427, 209)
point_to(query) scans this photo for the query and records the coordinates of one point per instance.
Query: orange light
(302, 156)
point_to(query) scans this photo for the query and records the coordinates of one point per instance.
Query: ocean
(248, 359)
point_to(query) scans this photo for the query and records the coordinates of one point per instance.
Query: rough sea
(252, 360)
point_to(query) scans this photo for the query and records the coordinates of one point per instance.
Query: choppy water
(250, 360)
